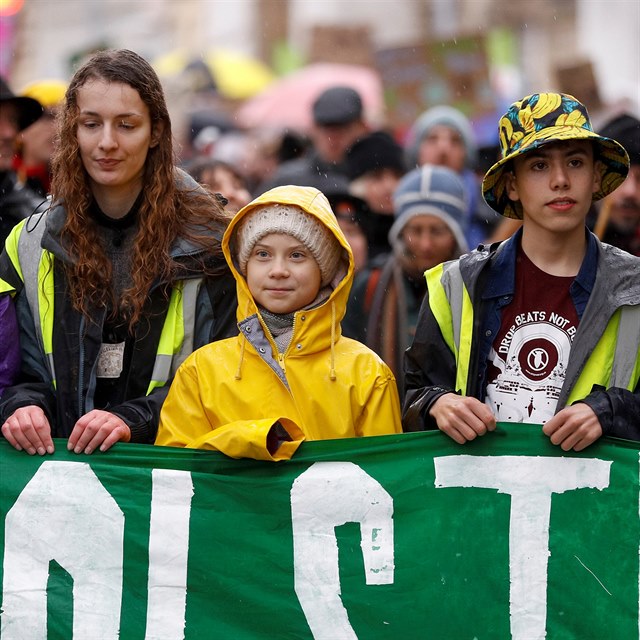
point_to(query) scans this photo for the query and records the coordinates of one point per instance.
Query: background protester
(443, 136)
(221, 177)
(619, 213)
(338, 121)
(16, 200)
(352, 215)
(427, 230)
(36, 142)
(375, 163)
(127, 254)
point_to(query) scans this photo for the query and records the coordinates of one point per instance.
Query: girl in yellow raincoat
(289, 375)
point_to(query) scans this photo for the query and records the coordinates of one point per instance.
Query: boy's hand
(97, 429)
(28, 428)
(462, 418)
(574, 427)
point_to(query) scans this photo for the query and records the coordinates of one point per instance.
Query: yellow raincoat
(228, 395)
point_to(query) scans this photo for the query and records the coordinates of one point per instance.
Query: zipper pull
(281, 362)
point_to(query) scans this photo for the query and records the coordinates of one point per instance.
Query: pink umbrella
(287, 102)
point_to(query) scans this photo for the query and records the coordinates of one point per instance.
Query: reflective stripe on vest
(451, 306)
(5, 287)
(615, 360)
(176, 339)
(35, 267)
(11, 247)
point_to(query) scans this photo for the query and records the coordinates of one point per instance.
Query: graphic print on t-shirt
(528, 360)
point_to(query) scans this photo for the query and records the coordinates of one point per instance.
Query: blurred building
(479, 53)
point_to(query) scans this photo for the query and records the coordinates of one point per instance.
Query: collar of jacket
(55, 218)
(501, 279)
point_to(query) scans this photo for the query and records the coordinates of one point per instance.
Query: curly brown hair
(170, 206)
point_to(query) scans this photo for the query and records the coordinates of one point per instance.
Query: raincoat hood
(314, 203)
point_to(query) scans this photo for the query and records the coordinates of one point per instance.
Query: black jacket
(16, 203)
(77, 341)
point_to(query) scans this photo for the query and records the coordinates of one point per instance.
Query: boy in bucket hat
(543, 328)
(290, 375)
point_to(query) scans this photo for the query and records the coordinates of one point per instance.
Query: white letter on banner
(530, 482)
(168, 553)
(327, 495)
(63, 514)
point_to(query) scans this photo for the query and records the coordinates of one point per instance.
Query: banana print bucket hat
(537, 120)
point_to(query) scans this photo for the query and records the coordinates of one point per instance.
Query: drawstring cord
(238, 375)
(332, 371)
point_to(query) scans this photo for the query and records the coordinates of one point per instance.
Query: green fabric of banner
(405, 536)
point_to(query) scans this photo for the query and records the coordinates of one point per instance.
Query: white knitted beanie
(292, 220)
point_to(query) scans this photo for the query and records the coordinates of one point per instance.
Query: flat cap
(337, 105)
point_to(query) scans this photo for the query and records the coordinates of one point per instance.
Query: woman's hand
(28, 429)
(97, 429)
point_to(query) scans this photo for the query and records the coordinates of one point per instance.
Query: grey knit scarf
(280, 327)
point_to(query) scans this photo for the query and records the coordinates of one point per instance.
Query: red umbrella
(287, 102)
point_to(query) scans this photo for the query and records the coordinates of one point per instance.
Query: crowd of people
(361, 285)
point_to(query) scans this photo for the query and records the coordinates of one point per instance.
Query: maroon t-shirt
(529, 357)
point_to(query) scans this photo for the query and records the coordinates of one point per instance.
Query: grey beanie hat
(435, 191)
(449, 116)
(293, 221)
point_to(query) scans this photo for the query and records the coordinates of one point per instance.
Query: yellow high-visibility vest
(614, 362)
(34, 266)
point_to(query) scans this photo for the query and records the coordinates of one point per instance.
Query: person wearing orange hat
(16, 201)
(36, 142)
(543, 328)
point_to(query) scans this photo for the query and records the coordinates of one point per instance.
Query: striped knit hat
(430, 190)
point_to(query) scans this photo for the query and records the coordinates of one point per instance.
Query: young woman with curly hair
(127, 253)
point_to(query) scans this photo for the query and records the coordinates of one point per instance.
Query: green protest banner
(405, 536)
